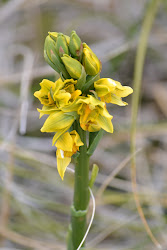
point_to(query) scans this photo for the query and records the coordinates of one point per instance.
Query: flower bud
(75, 45)
(90, 61)
(52, 58)
(73, 66)
(54, 35)
(61, 45)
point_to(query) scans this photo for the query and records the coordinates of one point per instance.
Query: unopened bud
(75, 45)
(52, 58)
(90, 61)
(61, 45)
(73, 66)
(54, 35)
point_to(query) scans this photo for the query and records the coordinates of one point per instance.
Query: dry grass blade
(25, 241)
(113, 174)
(140, 57)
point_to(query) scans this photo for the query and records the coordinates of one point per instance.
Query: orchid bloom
(94, 115)
(111, 91)
(67, 145)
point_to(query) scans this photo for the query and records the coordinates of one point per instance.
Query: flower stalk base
(81, 195)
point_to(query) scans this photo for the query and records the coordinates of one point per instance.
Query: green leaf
(81, 81)
(94, 139)
(89, 82)
(94, 174)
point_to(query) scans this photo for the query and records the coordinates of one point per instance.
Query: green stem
(81, 193)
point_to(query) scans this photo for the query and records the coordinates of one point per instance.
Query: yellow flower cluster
(79, 94)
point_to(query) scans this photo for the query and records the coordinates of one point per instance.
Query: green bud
(73, 66)
(61, 45)
(75, 45)
(90, 61)
(54, 35)
(52, 58)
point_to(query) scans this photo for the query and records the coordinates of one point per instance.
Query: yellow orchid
(67, 145)
(111, 91)
(56, 95)
(44, 94)
(65, 92)
(94, 115)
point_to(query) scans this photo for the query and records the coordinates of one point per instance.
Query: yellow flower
(44, 94)
(90, 61)
(67, 145)
(94, 115)
(56, 95)
(111, 91)
(65, 93)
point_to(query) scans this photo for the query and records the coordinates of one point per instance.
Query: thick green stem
(81, 193)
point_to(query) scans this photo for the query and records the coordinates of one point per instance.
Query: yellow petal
(46, 110)
(42, 94)
(62, 99)
(71, 107)
(77, 139)
(105, 123)
(75, 94)
(123, 91)
(117, 100)
(59, 85)
(106, 85)
(92, 101)
(70, 82)
(58, 134)
(56, 121)
(104, 112)
(101, 89)
(62, 163)
(93, 127)
(65, 142)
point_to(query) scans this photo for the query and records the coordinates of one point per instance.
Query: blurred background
(34, 202)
